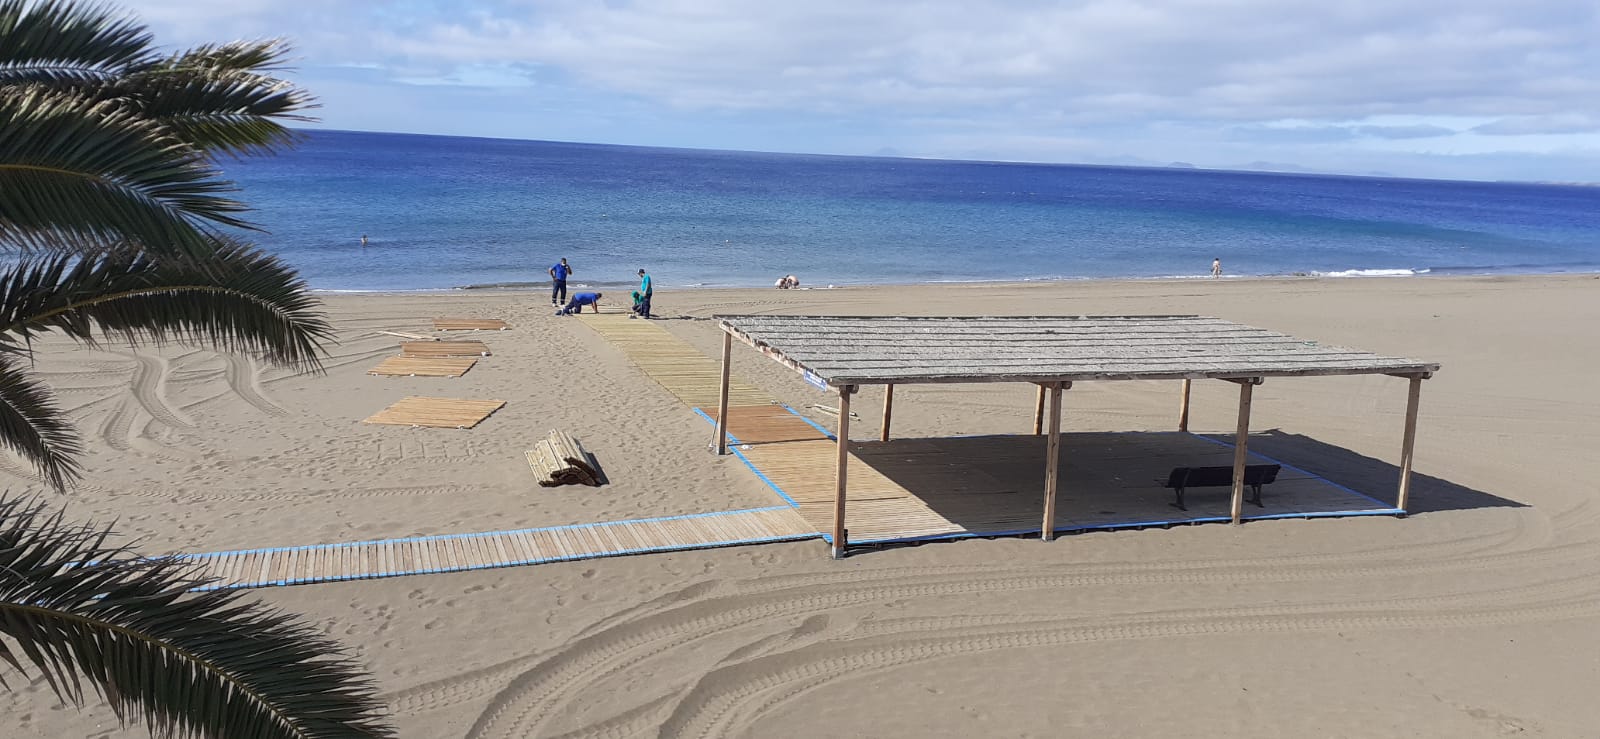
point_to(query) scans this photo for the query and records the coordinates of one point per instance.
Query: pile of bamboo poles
(560, 460)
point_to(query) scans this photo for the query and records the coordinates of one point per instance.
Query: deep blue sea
(445, 212)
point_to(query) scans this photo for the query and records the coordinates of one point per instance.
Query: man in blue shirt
(578, 301)
(559, 272)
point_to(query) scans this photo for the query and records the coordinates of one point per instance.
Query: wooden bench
(1255, 475)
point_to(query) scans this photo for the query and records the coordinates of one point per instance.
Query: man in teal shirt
(645, 290)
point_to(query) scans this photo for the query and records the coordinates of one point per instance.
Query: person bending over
(646, 291)
(578, 301)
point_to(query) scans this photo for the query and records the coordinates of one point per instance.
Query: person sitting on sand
(578, 301)
(787, 282)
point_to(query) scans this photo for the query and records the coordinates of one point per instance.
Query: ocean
(449, 212)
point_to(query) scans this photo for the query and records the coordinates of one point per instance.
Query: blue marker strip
(813, 424)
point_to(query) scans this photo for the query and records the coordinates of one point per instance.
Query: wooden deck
(913, 489)
(469, 324)
(455, 552)
(423, 366)
(445, 413)
(444, 349)
(683, 370)
(766, 424)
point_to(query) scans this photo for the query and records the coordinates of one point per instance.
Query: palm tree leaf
(189, 664)
(239, 299)
(74, 171)
(67, 43)
(218, 109)
(34, 427)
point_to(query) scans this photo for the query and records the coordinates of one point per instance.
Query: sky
(1451, 89)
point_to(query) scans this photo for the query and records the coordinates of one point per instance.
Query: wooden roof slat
(844, 350)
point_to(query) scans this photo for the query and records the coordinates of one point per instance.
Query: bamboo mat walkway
(444, 413)
(423, 366)
(684, 371)
(443, 349)
(252, 568)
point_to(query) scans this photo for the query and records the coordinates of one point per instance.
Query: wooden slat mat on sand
(766, 424)
(683, 370)
(452, 552)
(444, 349)
(423, 367)
(444, 413)
(469, 324)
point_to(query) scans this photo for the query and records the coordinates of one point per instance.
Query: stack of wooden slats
(559, 460)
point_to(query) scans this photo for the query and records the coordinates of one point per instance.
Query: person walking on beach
(1216, 267)
(645, 291)
(578, 301)
(558, 286)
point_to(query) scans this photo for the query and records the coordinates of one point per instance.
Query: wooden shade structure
(842, 353)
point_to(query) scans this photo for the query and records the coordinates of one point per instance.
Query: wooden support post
(1038, 412)
(1408, 442)
(1183, 407)
(1052, 462)
(840, 475)
(1241, 446)
(722, 395)
(888, 411)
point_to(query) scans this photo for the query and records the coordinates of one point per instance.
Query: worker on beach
(646, 290)
(578, 301)
(558, 277)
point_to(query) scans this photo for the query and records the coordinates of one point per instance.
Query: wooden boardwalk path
(683, 370)
(456, 552)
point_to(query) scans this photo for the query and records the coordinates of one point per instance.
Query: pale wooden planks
(423, 366)
(469, 324)
(691, 377)
(766, 424)
(444, 349)
(388, 558)
(436, 412)
(896, 349)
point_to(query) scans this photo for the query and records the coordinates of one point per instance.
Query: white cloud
(1360, 73)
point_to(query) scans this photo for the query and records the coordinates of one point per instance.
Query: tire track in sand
(530, 698)
(723, 701)
(1463, 552)
(243, 379)
(149, 391)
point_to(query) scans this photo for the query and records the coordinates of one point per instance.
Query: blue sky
(1459, 89)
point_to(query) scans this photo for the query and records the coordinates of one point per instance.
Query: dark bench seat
(1255, 475)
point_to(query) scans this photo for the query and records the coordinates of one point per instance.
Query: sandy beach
(1473, 617)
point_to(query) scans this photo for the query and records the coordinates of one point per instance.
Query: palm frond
(189, 664)
(219, 98)
(75, 171)
(239, 299)
(67, 43)
(34, 427)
